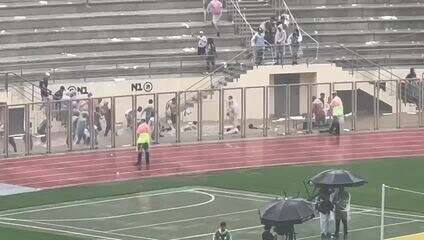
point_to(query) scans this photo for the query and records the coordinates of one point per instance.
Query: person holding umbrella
(267, 234)
(325, 208)
(339, 179)
(342, 209)
(283, 214)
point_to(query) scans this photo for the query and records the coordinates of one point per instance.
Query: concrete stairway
(107, 37)
(379, 29)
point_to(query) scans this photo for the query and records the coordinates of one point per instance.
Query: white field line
(76, 228)
(57, 230)
(210, 234)
(85, 203)
(184, 220)
(212, 198)
(258, 195)
(363, 229)
(258, 226)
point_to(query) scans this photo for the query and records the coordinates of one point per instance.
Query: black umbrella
(337, 178)
(286, 211)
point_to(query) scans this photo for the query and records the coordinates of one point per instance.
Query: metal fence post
(70, 127)
(6, 131)
(27, 130)
(355, 116)
(49, 126)
(93, 137)
(265, 111)
(113, 122)
(157, 117)
(398, 103)
(221, 114)
(375, 106)
(309, 107)
(353, 106)
(287, 122)
(243, 112)
(135, 120)
(178, 127)
(199, 116)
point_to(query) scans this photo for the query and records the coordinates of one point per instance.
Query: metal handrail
(369, 61)
(211, 74)
(33, 86)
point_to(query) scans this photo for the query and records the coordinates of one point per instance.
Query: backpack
(216, 7)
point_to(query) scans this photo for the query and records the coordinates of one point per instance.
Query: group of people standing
(272, 36)
(328, 112)
(333, 205)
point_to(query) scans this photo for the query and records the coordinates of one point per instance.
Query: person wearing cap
(202, 41)
(222, 233)
(143, 142)
(280, 41)
(258, 44)
(336, 106)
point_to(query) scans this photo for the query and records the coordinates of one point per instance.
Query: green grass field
(405, 173)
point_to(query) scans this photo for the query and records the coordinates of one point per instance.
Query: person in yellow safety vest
(338, 114)
(143, 142)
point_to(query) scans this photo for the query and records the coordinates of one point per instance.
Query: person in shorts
(143, 142)
(215, 8)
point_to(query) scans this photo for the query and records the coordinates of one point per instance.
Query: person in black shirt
(267, 235)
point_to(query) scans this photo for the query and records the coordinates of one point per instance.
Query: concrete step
(101, 18)
(172, 67)
(395, 60)
(61, 60)
(112, 31)
(114, 44)
(26, 8)
(366, 10)
(354, 23)
(365, 37)
(344, 2)
(292, 3)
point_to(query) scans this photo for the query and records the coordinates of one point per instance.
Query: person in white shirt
(280, 42)
(222, 233)
(232, 111)
(202, 41)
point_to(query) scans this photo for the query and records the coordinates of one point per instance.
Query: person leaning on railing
(295, 39)
(258, 44)
(280, 42)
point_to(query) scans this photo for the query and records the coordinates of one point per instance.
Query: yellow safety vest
(338, 111)
(143, 138)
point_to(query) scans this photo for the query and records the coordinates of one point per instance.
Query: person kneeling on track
(143, 142)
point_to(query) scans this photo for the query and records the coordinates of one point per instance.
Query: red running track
(100, 166)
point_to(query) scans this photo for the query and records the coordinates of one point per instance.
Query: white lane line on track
(101, 166)
(84, 202)
(219, 146)
(212, 198)
(384, 153)
(222, 152)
